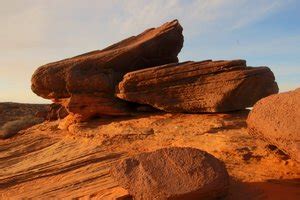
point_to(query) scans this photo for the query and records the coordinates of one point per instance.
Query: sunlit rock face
(276, 119)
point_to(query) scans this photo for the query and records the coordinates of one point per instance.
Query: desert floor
(45, 162)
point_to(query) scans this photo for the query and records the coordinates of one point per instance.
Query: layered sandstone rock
(85, 84)
(207, 86)
(172, 173)
(276, 119)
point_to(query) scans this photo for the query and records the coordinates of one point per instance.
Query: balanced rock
(276, 119)
(206, 86)
(172, 173)
(85, 84)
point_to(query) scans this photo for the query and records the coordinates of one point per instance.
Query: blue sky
(35, 32)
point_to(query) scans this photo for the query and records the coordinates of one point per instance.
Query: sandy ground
(45, 162)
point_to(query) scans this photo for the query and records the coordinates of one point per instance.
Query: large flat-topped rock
(207, 86)
(85, 84)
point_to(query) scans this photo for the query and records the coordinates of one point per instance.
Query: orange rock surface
(276, 119)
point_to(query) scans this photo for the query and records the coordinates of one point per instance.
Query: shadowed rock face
(173, 173)
(207, 86)
(85, 84)
(53, 112)
(276, 119)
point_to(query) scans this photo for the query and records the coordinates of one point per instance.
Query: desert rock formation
(276, 119)
(116, 99)
(194, 87)
(173, 173)
(85, 84)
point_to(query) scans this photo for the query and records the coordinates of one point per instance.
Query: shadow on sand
(285, 189)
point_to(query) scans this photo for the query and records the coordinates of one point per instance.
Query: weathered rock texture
(276, 119)
(85, 84)
(173, 173)
(207, 86)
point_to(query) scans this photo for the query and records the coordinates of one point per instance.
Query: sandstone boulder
(276, 119)
(85, 84)
(172, 173)
(206, 86)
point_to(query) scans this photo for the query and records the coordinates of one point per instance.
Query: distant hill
(10, 111)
